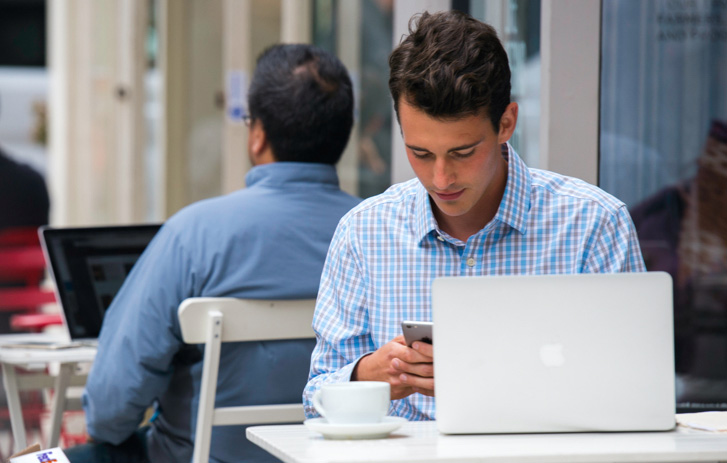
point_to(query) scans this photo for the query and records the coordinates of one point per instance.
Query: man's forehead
(415, 123)
(481, 112)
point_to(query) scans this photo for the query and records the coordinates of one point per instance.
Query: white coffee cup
(356, 402)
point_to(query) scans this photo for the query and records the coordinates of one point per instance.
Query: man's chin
(450, 208)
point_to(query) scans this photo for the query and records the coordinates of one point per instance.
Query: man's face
(459, 162)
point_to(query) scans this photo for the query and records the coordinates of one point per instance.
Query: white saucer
(355, 431)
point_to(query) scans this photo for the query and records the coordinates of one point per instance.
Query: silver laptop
(554, 353)
(88, 266)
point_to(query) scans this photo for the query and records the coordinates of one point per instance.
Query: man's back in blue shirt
(267, 241)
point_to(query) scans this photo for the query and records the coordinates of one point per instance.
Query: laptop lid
(554, 353)
(88, 266)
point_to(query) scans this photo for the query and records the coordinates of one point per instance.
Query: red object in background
(35, 322)
(19, 236)
(22, 268)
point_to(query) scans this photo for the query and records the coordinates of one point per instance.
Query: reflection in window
(664, 153)
(375, 106)
(370, 77)
(518, 24)
(324, 25)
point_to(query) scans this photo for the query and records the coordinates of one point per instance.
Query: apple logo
(552, 355)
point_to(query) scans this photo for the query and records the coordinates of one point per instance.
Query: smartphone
(416, 331)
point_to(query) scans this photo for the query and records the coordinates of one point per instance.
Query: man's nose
(443, 176)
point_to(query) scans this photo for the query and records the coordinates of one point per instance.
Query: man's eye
(465, 154)
(420, 154)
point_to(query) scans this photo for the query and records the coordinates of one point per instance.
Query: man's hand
(407, 370)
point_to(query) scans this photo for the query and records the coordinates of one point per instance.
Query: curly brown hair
(451, 66)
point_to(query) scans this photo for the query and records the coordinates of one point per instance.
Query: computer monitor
(88, 266)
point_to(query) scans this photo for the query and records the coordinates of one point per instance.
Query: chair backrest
(212, 321)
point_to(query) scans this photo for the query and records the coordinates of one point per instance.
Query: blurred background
(131, 109)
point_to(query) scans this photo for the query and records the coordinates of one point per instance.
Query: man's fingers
(393, 360)
(425, 370)
(417, 382)
(422, 355)
(423, 348)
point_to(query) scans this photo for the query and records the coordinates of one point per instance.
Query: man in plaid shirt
(474, 209)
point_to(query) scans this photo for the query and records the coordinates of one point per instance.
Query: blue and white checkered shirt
(387, 250)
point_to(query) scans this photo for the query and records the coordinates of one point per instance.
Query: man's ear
(257, 142)
(508, 121)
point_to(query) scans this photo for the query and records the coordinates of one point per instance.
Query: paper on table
(54, 455)
(704, 421)
(27, 450)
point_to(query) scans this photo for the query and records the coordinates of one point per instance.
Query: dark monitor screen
(88, 266)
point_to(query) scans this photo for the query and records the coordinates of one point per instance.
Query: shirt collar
(425, 221)
(515, 202)
(276, 174)
(513, 208)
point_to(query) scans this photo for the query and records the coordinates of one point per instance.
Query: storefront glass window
(518, 25)
(369, 67)
(663, 151)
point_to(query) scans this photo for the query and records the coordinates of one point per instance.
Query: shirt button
(439, 237)
(470, 262)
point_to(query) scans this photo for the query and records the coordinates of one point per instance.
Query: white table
(13, 358)
(421, 442)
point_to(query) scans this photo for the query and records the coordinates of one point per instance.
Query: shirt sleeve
(616, 247)
(341, 320)
(138, 340)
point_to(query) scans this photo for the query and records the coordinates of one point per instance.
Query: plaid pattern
(387, 250)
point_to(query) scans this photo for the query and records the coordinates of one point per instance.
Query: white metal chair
(212, 321)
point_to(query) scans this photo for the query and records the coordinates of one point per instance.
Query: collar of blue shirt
(279, 173)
